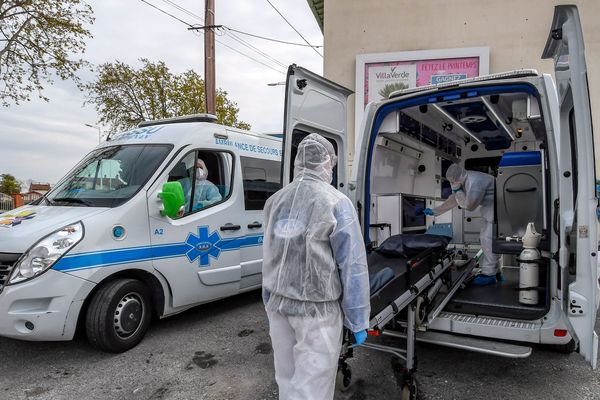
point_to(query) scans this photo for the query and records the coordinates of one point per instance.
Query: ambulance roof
(193, 130)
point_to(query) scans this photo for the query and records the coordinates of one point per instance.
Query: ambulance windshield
(109, 176)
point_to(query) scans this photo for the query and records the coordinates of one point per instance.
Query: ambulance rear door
(314, 104)
(577, 224)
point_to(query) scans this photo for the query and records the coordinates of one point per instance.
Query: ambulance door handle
(255, 225)
(230, 227)
(531, 189)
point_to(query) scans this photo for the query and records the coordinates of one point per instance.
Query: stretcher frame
(428, 286)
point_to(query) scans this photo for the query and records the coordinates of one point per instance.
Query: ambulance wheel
(409, 391)
(119, 315)
(343, 378)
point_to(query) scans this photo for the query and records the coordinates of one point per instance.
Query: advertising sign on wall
(383, 78)
(378, 75)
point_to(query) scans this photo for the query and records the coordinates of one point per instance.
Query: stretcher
(424, 279)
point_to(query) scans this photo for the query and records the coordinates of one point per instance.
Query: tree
(9, 184)
(40, 39)
(124, 96)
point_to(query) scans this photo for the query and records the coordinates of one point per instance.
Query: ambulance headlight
(45, 253)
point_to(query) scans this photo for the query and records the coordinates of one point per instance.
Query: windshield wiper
(72, 200)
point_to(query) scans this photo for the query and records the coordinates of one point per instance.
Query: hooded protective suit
(315, 275)
(472, 189)
(205, 192)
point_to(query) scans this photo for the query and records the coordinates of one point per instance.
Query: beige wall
(515, 31)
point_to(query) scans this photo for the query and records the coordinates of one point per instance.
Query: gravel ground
(222, 351)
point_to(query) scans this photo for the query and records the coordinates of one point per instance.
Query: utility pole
(209, 58)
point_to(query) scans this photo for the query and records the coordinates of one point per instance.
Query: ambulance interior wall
(397, 173)
(414, 171)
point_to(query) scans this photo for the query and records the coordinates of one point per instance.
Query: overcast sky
(42, 141)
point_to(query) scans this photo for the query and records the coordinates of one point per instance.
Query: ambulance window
(261, 180)
(109, 176)
(205, 178)
(487, 165)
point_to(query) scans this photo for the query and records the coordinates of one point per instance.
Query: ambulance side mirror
(172, 199)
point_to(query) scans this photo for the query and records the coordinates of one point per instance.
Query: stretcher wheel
(343, 378)
(409, 391)
(420, 309)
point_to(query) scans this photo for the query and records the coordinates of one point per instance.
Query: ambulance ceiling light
(455, 122)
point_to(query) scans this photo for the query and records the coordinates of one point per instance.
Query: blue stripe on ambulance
(201, 247)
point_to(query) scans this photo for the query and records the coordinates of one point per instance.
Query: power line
(164, 12)
(290, 24)
(252, 58)
(192, 26)
(271, 39)
(250, 46)
(245, 55)
(184, 10)
(223, 29)
(191, 14)
(239, 40)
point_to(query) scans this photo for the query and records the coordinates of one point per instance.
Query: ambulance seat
(519, 198)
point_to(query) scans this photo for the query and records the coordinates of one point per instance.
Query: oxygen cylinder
(529, 266)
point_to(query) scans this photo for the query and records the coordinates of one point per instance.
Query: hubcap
(129, 315)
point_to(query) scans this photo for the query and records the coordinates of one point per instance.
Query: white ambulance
(111, 246)
(534, 134)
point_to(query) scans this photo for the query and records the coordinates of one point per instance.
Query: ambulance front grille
(7, 262)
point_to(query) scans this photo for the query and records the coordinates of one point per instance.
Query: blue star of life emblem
(202, 246)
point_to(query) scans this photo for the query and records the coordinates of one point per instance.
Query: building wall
(514, 30)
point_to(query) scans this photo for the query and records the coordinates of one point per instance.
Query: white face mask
(200, 174)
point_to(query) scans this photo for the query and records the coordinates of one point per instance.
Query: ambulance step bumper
(468, 343)
(487, 327)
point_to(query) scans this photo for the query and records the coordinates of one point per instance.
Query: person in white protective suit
(205, 192)
(315, 276)
(472, 189)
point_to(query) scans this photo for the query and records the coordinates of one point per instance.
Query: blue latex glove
(360, 337)
(428, 211)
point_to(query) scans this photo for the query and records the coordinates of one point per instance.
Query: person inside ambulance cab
(205, 192)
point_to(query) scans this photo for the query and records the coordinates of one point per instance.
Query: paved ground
(221, 351)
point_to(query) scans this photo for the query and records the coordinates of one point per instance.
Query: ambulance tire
(119, 315)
